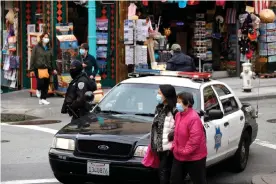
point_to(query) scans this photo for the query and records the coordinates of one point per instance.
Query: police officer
(75, 99)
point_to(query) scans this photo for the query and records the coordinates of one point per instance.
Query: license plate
(97, 168)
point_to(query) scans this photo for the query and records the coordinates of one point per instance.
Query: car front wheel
(68, 179)
(241, 156)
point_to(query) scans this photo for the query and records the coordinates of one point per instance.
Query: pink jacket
(189, 142)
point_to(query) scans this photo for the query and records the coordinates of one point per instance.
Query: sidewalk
(264, 179)
(20, 102)
(267, 88)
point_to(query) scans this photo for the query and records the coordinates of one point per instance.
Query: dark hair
(41, 39)
(169, 93)
(186, 98)
(85, 46)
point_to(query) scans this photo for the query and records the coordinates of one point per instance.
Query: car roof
(175, 81)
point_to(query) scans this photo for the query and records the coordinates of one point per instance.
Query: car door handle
(226, 124)
(241, 118)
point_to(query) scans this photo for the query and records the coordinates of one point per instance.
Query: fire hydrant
(247, 75)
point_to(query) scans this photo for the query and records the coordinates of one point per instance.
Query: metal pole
(92, 27)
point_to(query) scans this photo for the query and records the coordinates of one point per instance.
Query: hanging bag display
(43, 73)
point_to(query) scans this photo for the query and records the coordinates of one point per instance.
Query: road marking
(265, 144)
(30, 181)
(34, 127)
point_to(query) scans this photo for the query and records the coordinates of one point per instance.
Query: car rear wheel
(65, 179)
(241, 156)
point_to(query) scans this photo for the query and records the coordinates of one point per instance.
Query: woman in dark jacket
(163, 125)
(42, 60)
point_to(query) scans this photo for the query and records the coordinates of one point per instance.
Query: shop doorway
(78, 15)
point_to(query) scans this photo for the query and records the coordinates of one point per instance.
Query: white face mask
(46, 40)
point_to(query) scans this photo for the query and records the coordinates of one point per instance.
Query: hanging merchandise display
(135, 34)
(267, 45)
(67, 52)
(248, 35)
(10, 61)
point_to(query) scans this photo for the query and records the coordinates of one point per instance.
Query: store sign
(180, 23)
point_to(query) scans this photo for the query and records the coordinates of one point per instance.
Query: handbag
(43, 73)
(151, 159)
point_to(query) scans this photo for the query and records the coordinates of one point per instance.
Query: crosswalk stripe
(30, 181)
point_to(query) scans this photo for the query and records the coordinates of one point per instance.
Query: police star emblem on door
(218, 137)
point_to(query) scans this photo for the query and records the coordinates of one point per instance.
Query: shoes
(38, 93)
(43, 102)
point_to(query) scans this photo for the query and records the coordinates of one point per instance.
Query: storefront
(208, 31)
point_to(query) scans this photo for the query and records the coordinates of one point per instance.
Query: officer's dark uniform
(75, 95)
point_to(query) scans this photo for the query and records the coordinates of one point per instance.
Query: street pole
(92, 27)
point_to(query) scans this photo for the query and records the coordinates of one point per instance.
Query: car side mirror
(214, 114)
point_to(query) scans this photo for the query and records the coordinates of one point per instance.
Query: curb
(259, 97)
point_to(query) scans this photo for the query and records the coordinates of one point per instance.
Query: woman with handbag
(43, 66)
(189, 143)
(163, 125)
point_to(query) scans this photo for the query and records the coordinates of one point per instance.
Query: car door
(233, 114)
(216, 132)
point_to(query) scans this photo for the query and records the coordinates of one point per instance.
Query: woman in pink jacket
(189, 144)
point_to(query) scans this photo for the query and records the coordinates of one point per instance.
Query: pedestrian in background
(43, 65)
(163, 125)
(189, 144)
(180, 61)
(89, 61)
(75, 95)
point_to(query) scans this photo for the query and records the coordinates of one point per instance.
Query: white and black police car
(110, 143)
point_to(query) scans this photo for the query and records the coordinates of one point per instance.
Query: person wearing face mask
(89, 61)
(189, 143)
(162, 126)
(75, 95)
(43, 65)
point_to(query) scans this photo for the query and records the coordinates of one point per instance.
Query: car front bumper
(67, 164)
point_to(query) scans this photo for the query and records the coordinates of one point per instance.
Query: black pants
(165, 166)
(42, 85)
(196, 170)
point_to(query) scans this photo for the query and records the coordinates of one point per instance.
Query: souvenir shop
(10, 49)
(205, 30)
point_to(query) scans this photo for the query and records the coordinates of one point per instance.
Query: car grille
(115, 149)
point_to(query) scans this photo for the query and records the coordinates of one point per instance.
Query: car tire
(239, 161)
(65, 179)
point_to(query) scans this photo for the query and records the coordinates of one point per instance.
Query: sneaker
(40, 102)
(38, 93)
(45, 102)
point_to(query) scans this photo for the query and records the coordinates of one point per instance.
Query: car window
(230, 105)
(221, 89)
(210, 99)
(139, 98)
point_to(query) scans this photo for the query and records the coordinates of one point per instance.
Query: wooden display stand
(33, 39)
(99, 92)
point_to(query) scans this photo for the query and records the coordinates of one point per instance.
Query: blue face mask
(179, 107)
(82, 51)
(159, 99)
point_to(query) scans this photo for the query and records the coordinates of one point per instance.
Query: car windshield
(138, 99)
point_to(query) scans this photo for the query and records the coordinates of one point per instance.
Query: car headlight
(63, 143)
(140, 151)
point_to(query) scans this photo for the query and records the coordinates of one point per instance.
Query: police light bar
(190, 75)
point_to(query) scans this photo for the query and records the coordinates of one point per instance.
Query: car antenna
(257, 108)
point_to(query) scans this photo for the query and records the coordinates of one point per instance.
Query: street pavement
(24, 148)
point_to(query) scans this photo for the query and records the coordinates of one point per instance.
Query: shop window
(210, 99)
(221, 89)
(230, 105)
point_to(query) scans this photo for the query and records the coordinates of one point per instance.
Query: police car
(111, 142)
